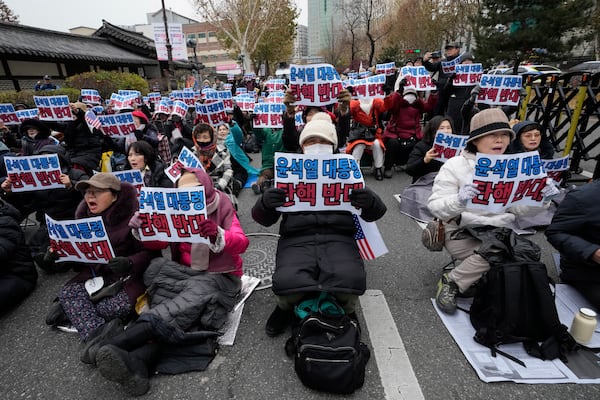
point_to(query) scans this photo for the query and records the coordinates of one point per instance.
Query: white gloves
(467, 192)
(550, 190)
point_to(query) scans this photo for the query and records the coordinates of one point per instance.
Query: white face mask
(410, 98)
(315, 149)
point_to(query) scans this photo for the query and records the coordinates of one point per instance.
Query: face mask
(204, 144)
(141, 127)
(410, 98)
(315, 149)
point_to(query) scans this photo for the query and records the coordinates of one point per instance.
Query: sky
(60, 15)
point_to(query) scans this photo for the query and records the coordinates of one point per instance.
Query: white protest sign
(8, 116)
(84, 240)
(176, 40)
(385, 68)
(117, 124)
(500, 89)
(212, 113)
(53, 108)
(317, 182)
(315, 84)
(221, 95)
(467, 74)
(275, 85)
(172, 215)
(132, 176)
(448, 145)
(506, 180)
(555, 168)
(186, 158)
(91, 96)
(367, 88)
(245, 102)
(154, 97)
(31, 113)
(29, 173)
(268, 115)
(418, 78)
(179, 108)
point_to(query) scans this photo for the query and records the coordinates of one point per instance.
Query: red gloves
(209, 229)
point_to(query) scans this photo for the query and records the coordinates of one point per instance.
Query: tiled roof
(140, 43)
(22, 40)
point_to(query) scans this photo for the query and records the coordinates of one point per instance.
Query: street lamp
(191, 44)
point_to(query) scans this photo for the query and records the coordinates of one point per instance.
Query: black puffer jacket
(416, 166)
(15, 257)
(317, 250)
(84, 147)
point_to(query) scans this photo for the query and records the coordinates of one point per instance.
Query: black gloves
(362, 198)
(273, 198)
(119, 265)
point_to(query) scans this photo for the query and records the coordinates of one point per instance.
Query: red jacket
(359, 116)
(405, 118)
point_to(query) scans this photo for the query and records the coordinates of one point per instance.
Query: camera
(436, 54)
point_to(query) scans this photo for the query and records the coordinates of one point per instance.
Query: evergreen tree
(7, 15)
(519, 30)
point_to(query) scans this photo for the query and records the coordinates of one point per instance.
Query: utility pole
(170, 79)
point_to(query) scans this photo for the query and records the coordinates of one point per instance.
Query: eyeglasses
(95, 192)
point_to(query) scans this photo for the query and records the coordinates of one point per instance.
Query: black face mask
(204, 144)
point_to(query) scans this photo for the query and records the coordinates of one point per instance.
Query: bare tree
(243, 22)
(7, 15)
(353, 25)
(372, 13)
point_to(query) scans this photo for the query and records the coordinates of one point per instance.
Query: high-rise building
(323, 23)
(300, 43)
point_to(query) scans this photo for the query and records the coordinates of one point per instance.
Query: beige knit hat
(320, 126)
(489, 121)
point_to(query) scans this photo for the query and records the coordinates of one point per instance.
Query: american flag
(92, 120)
(364, 248)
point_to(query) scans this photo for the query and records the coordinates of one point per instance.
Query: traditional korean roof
(131, 40)
(25, 41)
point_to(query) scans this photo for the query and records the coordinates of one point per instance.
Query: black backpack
(326, 347)
(514, 303)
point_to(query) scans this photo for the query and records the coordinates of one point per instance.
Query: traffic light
(411, 51)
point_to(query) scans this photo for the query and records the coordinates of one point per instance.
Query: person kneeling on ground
(316, 250)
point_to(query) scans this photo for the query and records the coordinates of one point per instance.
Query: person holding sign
(121, 279)
(194, 291)
(34, 135)
(421, 160)
(452, 191)
(452, 52)
(84, 145)
(215, 158)
(529, 138)
(316, 249)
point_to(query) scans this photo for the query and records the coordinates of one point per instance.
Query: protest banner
(506, 180)
(186, 158)
(364, 74)
(154, 97)
(122, 102)
(315, 84)
(417, 78)
(91, 96)
(245, 102)
(385, 68)
(275, 98)
(163, 107)
(212, 113)
(8, 116)
(448, 145)
(132, 176)
(179, 108)
(249, 76)
(275, 85)
(176, 40)
(500, 89)
(555, 168)
(268, 115)
(221, 95)
(129, 92)
(117, 124)
(53, 108)
(172, 215)
(84, 240)
(29, 173)
(468, 74)
(352, 75)
(368, 88)
(31, 113)
(317, 182)
(241, 90)
(298, 121)
(449, 67)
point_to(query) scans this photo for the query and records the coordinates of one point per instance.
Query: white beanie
(321, 126)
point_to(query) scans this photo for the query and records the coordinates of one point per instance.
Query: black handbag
(359, 131)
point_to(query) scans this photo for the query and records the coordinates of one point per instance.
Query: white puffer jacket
(443, 202)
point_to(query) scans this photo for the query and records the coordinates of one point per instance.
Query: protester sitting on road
(18, 275)
(187, 296)
(141, 156)
(179, 133)
(272, 142)
(453, 189)
(421, 158)
(529, 138)
(84, 144)
(146, 131)
(404, 128)
(316, 250)
(574, 232)
(34, 135)
(116, 202)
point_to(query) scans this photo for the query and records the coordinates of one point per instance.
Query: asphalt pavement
(38, 362)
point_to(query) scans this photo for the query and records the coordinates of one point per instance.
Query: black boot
(56, 315)
(379, 174)
(278, 321)
(135, 336)
(99, 338)
(129, 369)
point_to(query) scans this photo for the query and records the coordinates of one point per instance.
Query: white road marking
(397, 376)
